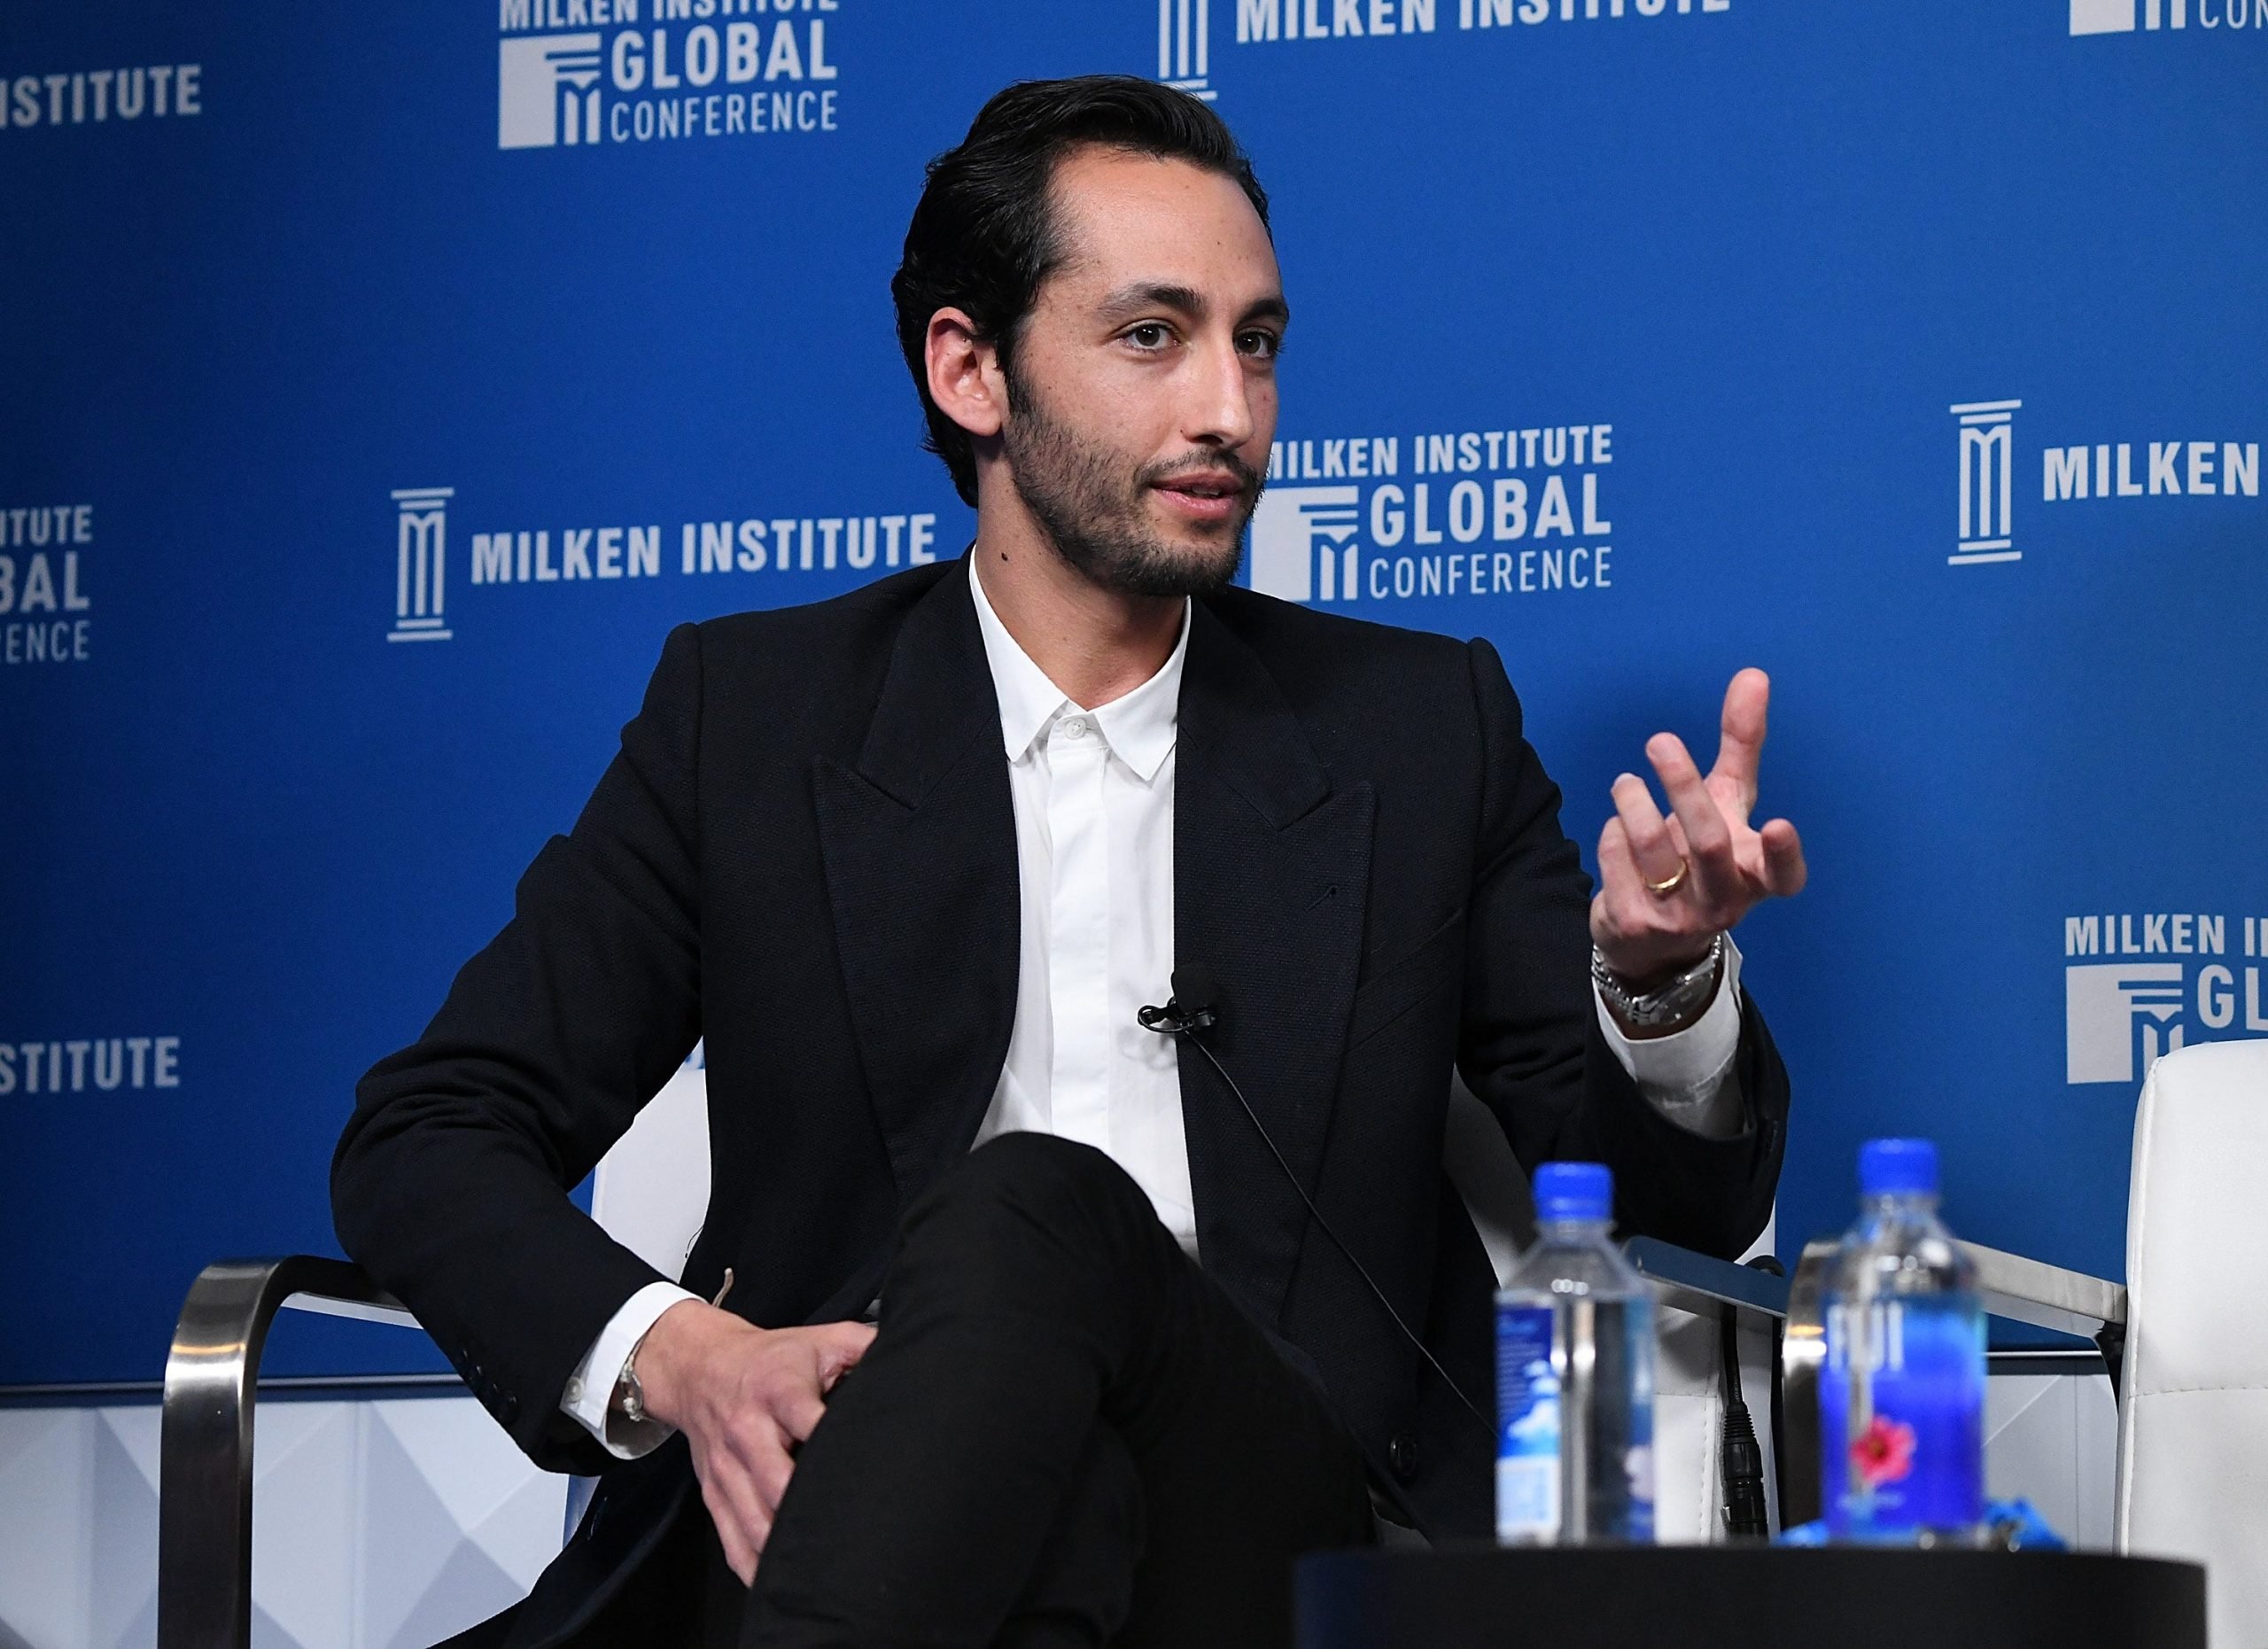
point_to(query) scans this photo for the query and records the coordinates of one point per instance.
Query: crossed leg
(1065, 1434)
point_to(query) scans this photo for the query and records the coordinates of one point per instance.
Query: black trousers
(1065, 1434)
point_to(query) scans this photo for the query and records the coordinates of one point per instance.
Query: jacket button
(1401, 1455)
(508, 1408)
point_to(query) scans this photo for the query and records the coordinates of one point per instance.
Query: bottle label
(1901, 1413)
(1527, 1429)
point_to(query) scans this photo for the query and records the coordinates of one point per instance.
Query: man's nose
(1220, 412)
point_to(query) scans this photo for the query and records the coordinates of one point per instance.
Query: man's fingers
(734, 1507)
(739, 1557)
(1785, 870)
(1618, 873)
(1740, 731)
(1708, 839)
(841, 1346)
(769, 1467)
(1652, 851)
(755, 1476)
(798, 1413)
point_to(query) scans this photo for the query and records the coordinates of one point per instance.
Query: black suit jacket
(805, 852)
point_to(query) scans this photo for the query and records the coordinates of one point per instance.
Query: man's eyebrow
(1167, 295)
(1153, 295)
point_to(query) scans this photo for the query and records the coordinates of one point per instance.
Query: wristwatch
(1667, 1004)
(629, 1396)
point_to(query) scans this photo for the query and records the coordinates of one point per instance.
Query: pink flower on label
(1884, 1452)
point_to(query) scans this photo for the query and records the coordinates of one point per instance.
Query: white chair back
(2193, 1435)
(651, 1193)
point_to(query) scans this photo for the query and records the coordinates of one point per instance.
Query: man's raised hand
(745, 1397)
(1668, 886)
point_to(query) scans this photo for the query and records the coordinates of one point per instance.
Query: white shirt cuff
(590, 1388)
(1688, 1075)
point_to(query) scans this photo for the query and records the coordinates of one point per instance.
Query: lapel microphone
(1194, 1005)
(1190, 1007)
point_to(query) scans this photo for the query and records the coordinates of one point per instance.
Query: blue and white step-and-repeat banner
(381, 386)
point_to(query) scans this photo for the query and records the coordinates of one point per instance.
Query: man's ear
(965, 378)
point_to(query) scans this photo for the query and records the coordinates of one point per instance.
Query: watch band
(629, 1398)
(1668, 1003)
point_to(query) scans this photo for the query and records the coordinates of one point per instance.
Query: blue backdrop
(1910, 350)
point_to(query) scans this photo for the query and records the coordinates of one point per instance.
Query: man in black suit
(910, 860)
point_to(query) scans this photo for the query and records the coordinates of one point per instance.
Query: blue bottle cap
(1574, 1191)
(1889, 1168)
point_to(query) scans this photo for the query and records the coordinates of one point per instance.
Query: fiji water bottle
(1574, 1375)
(1902, 1396)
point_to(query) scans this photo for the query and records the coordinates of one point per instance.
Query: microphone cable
(1740, 1465)
(1184, 1024)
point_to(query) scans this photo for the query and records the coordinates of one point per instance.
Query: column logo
(1987, 482)
(2111, 1010)
(1184, 28)
(1295, 527)
(421, 556)
(546, 91)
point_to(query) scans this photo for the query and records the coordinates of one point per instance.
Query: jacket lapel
(1271, 873)
(919, 838)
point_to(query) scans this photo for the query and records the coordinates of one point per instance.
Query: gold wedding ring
(1670, 884)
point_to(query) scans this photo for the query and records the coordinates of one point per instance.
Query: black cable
(1770, 1265)
(1185, 1033)
(1740, 1465)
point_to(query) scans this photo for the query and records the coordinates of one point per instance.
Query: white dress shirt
(1093, 792)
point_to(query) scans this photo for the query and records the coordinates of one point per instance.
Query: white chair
(651, 1193)
(2192, 1433)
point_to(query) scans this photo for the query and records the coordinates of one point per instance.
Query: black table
(1466, 1597)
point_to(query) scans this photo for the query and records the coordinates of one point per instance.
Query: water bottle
(1575, 1376)
(1901, 1395)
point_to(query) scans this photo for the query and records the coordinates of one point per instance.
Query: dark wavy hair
(983, 238)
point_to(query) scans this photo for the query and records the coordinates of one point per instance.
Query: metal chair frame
(206, 1432)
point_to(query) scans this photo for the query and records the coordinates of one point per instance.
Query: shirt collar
(1139, 726)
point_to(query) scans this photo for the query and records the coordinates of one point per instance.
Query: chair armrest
(1704, 1284)
(204, 1447)
(2046, 1297)
(2012, 1286)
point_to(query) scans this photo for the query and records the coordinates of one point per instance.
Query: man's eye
(1265, 345)
(1149, 334)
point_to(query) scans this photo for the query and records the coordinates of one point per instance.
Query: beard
(1096, 514)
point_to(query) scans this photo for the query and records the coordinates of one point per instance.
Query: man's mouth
(1207, 496)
